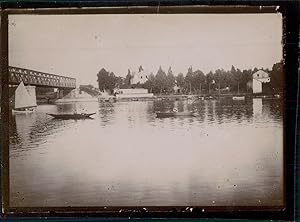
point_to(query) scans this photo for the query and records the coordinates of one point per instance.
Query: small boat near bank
(71, 115)
(238, 98)
(23, 111)
(174, 114)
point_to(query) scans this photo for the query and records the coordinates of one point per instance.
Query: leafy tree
(170, 80)
(127, 80)
(217, 78)
(277, 77)
(120, 81)
(246, 77)
(161, 80)
(236, 80)
(106, 80)
(180, 80)
(209, 81)
(238, 77)
(189, 78)
(150, 83)
(198, 80)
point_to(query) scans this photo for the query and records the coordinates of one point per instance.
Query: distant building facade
(177, 89)
(258, 78)
(133, 93)
(138, 77)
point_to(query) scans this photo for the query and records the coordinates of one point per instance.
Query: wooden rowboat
(23, 111)
(72, 115)
(238, 97)
(174, 114)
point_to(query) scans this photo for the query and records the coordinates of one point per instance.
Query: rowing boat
(174, 114)
(72, 115)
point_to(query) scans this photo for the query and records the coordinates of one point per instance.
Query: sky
(80, 45)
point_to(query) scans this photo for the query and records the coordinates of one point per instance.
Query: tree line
(195, 82)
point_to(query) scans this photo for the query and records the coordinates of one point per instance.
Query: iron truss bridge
(35, 78)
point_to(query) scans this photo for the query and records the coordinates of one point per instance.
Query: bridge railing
(31, 77)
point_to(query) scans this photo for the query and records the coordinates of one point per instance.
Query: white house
(139, 77)
(258, 79)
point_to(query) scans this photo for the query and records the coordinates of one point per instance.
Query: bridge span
(41, 79)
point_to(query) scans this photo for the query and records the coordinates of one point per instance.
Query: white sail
(32, 95)
(24, 99)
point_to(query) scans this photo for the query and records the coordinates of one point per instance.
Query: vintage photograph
(146, 110)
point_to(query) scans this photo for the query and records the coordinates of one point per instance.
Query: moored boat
(23, 111)
(174, 114)
(71, 115)
(238, 97)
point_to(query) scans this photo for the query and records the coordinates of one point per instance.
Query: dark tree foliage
(180, 80)
(106, 80)
(161, 81)
(209, 81)
(150, 83)
(170, 81)
(194, 81)
(277, 78)
(189, 77)
(120, 81)
(127, 80)
(231, 81)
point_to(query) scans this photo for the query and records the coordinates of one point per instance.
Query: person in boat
(25, 109)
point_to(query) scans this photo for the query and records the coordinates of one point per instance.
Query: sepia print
(146, 110)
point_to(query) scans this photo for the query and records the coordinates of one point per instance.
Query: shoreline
(161, 98)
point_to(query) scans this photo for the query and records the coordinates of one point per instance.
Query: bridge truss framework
(35, 78)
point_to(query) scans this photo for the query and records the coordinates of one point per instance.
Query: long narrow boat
(23, 111)
(238, 97)
(174, 114)
(72, 115)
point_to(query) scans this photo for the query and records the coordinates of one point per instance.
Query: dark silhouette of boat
(72, 115)
(174, 114)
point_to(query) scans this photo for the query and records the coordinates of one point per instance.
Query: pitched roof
(260, 74)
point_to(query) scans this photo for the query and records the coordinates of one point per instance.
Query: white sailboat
(25, 101)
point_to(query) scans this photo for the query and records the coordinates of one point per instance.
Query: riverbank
(157, 97)
(198, 96)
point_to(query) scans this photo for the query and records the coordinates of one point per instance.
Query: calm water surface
(230, 154)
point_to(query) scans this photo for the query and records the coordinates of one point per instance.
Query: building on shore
(177, 89)
(133, 93)
(141, 76)
(258, 78)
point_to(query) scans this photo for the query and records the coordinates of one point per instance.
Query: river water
(231, 153)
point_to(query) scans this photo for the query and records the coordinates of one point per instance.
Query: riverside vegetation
(195, 82)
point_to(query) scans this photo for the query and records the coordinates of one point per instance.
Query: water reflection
(230, 153)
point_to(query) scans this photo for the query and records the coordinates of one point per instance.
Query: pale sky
(80, 45)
